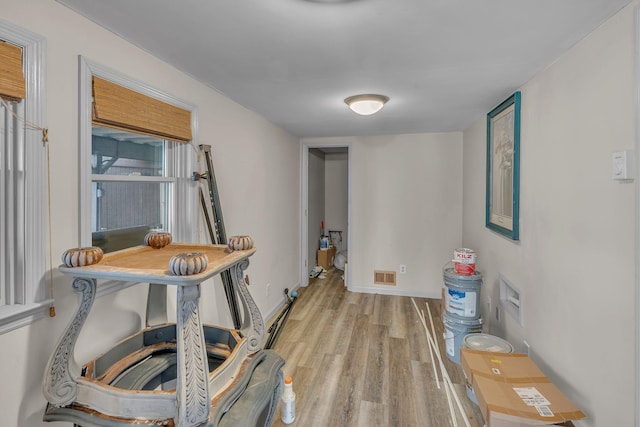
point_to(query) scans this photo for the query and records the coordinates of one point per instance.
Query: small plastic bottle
(288, 410)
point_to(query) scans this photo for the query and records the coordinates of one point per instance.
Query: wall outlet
(403, 269)
(268, 288)
(527, 347)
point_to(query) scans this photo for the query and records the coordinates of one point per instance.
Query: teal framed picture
(503, 168)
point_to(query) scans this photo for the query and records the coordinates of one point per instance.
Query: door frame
(304, 218)
(637, 215)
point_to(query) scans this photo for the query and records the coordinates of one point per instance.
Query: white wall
(575, 261)
(406, 202)
(256, 165)
(337, 194)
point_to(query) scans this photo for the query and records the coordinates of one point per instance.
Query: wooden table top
(146, 264)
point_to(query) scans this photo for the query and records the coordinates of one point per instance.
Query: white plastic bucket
(454, 332)
(462, 296)
(464, 261)
(484, 342)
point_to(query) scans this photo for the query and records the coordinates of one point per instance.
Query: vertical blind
(121, 108)
(13, 89)
(12, 83)
(12, 205)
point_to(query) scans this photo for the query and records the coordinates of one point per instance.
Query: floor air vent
(384, 277)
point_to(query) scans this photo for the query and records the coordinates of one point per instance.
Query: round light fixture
(367, 104)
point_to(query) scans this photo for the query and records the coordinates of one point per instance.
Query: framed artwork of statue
(503, 167)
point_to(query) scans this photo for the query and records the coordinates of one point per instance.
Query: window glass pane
(123, 212)
(125, 209)
(115, 152)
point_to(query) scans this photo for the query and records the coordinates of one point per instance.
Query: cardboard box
(513, 392)
(326, 256)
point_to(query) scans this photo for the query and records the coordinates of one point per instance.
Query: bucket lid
(451, 273)
(486, 342)
(448, 318)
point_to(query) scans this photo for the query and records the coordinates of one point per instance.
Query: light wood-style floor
(363, 360)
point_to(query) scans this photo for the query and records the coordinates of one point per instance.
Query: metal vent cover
(384, 277)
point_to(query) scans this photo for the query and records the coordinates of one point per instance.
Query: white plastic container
(288, 409)
(484, 342)
(462, 296)
(324, 242)
(464, 261)
(454, 332)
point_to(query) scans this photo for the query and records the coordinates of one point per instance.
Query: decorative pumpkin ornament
(189, 263)
(157, 239)
(240, 243)
(80, 257)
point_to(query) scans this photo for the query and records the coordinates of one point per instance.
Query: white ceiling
(443, 63)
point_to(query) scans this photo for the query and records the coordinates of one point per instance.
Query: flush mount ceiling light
(366, 105)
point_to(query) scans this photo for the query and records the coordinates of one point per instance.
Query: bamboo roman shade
(117, 107)
(12, 84)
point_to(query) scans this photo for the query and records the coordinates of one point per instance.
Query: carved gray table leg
(252, 322)
(192, 389)
(59, 384)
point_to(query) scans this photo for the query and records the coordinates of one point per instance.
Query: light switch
(622, 165)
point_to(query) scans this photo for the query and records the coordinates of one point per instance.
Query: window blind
(12, 83)
(12, 206)
(117, 107)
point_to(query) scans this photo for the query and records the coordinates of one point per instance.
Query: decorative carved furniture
(183, 374)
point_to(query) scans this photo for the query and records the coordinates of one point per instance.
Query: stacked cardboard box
(513, 392)
(326, 257)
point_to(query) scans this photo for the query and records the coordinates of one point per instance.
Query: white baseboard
(390, 290)
(279, 305)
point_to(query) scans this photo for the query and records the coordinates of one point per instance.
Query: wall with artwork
(575, 261)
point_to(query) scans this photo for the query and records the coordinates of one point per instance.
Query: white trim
(36, 208)
(304, 216)
(392, 290)
(84, 155)
(279, 306)
(637, 212)
(132, 178)
(19, 315)
(304, 198)
(34, 293)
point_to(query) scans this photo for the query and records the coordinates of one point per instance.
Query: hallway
(362, 360)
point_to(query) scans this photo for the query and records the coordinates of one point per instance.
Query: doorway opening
(326, 208)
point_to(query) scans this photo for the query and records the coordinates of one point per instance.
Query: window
(24, 291)
(133, 180)
(135, 169)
